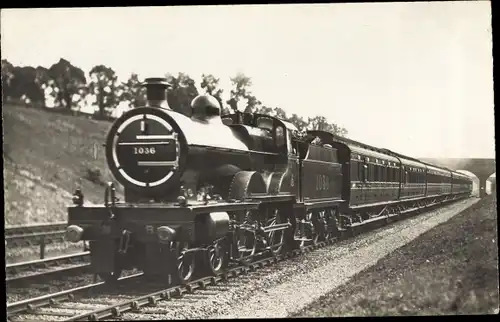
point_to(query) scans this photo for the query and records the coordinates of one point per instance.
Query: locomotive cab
(267, 133)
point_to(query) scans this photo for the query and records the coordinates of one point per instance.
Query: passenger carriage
(438, 181)
(460, 183)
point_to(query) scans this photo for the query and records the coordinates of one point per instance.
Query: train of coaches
(208, 190)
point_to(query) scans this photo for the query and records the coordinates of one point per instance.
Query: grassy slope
(452, 269)
(46, 156)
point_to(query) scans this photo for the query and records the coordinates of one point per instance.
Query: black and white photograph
(249, 161)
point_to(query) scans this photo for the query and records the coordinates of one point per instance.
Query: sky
(415, 77)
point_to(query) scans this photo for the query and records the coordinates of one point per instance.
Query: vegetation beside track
(46, 155)
(451, 269)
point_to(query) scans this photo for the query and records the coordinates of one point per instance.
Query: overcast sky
(416, 78)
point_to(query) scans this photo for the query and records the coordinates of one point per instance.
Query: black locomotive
(205, 191)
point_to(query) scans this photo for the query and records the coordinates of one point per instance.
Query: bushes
(94, 175)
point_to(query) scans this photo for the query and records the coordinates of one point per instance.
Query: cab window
(280, 137)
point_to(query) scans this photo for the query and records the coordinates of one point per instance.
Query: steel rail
(34, 228)
(112, 311)
(14, 272)
(34, 239)
(78, 269)
(35, 235)
(30, 305)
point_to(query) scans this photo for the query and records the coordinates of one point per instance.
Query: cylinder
(209, 227)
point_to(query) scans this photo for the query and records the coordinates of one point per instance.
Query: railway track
(32, 235)
(74, 305)
(23, 273)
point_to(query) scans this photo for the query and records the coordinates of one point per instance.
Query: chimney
(156, 91)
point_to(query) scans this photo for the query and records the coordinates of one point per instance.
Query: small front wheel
(217, 257)
(184, 263)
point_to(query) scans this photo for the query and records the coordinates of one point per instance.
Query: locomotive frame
(196, 205)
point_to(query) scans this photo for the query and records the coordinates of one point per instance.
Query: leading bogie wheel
(184, 263)
(217, 257)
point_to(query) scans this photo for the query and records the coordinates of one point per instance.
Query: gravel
(289, 286)
(62, 283)
(15, 294)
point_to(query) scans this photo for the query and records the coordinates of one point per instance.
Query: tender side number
(145, 150)
(322, 182)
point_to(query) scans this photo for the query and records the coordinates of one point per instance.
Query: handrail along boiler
(205, 191)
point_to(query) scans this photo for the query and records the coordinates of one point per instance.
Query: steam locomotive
(205, 191)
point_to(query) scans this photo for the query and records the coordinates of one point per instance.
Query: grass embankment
(451, 269)
(46, 156)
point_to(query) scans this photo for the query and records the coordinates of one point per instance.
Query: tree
(315, 123)
(264, 110)
(279, 113)
(321, 123)
(211, 86)
(182, 92)
(26, 83)
(7, 77)
(241, 93)
(103, 85)
(298, 121)
(69, 81)
(133, 92)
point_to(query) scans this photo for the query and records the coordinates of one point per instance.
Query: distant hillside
(46, 156)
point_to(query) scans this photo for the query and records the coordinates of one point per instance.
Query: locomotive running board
(98, 212)
(272, 198)
(385, 203)
(322, 203)
(364, 222)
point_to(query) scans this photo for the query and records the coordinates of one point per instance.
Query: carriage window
(354, 171)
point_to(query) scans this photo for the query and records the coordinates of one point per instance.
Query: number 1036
(146, 150)
(322, 182)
